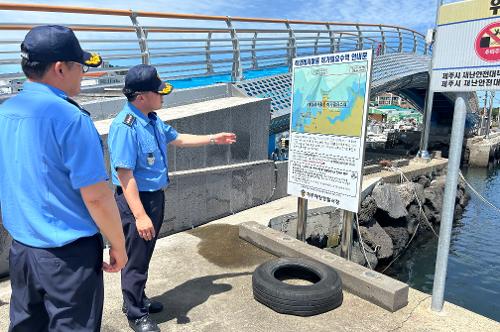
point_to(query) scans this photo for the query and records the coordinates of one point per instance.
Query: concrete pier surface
(481, 151)
(203, 277)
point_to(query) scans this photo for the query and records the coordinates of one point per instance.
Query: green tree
(494, 112)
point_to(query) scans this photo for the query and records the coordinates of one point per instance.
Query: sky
(415, 14)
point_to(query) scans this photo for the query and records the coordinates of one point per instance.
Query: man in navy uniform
(54, 193)
(137, 143)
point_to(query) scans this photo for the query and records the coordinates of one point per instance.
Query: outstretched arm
(187, 140)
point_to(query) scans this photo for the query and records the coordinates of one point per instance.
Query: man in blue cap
(54, 193)
(137, 143)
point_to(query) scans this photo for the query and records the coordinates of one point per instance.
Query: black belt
(119, 191)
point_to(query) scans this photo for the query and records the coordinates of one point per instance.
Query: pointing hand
(225, 138)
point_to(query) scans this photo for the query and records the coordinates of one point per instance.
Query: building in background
(388, 98)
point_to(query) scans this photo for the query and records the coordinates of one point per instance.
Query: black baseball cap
(51, 43)
(144, 78)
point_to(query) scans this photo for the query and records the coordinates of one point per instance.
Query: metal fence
(193, 46)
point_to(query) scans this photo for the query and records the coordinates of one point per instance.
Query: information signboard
(330, 97)
(467, 47)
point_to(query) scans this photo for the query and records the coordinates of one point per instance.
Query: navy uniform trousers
(57, 289)
(139, 251)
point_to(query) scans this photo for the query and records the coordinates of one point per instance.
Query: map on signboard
(329, 99)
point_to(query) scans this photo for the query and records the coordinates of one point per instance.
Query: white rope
(362, 243)
(402, 251)
(481, 197)
(420, 205)
(403, 176)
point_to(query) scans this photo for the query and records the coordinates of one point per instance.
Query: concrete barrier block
(370, 285)
(191, 198)
(261, 118)
(247, 117)
(370, 169)
(241, 189)
(171, 208)
(281, 181)
(400, 162)
(172, 157)
(437, 154)
(195, 197)
(218, 122)
(218, 196)
(262, 179)
(242, 126)
(479, 155)
(189, 158)
(101, 109)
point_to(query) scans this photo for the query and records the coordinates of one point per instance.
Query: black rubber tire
(323, 295)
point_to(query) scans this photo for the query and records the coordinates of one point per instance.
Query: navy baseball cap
(51, 43)
(143, 78)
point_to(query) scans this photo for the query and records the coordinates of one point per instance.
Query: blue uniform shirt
(139, 143)
(49, 149)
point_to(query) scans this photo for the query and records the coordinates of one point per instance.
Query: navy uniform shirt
(49, 149)
(139, 143)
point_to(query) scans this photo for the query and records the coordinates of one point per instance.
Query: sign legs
(301, 219)
(346, 243)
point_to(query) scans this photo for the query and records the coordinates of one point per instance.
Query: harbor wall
(481, 151)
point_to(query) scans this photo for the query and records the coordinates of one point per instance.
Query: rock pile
(388, 219)
(394, 212)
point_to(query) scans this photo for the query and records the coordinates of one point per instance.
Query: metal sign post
(347, 230)
(466, 58)
(301, 218)
(450, 193)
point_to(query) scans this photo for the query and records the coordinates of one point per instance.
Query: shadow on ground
(222, 246)
(180, 300)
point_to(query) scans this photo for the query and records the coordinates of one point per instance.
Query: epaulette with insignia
(71, 101)
(129, 120)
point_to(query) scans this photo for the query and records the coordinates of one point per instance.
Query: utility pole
(498, 116)
(429, 99)
(483, 114)
(490, 112)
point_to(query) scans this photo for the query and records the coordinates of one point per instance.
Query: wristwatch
(212, 140)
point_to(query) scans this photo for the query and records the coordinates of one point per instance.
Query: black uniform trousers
(57, 289)
(135, 274)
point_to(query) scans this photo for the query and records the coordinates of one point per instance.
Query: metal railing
(187, 46)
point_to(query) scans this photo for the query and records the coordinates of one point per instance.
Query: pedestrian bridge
(213, 49)
(194, 50)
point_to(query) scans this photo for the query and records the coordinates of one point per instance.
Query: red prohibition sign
(488, 42)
